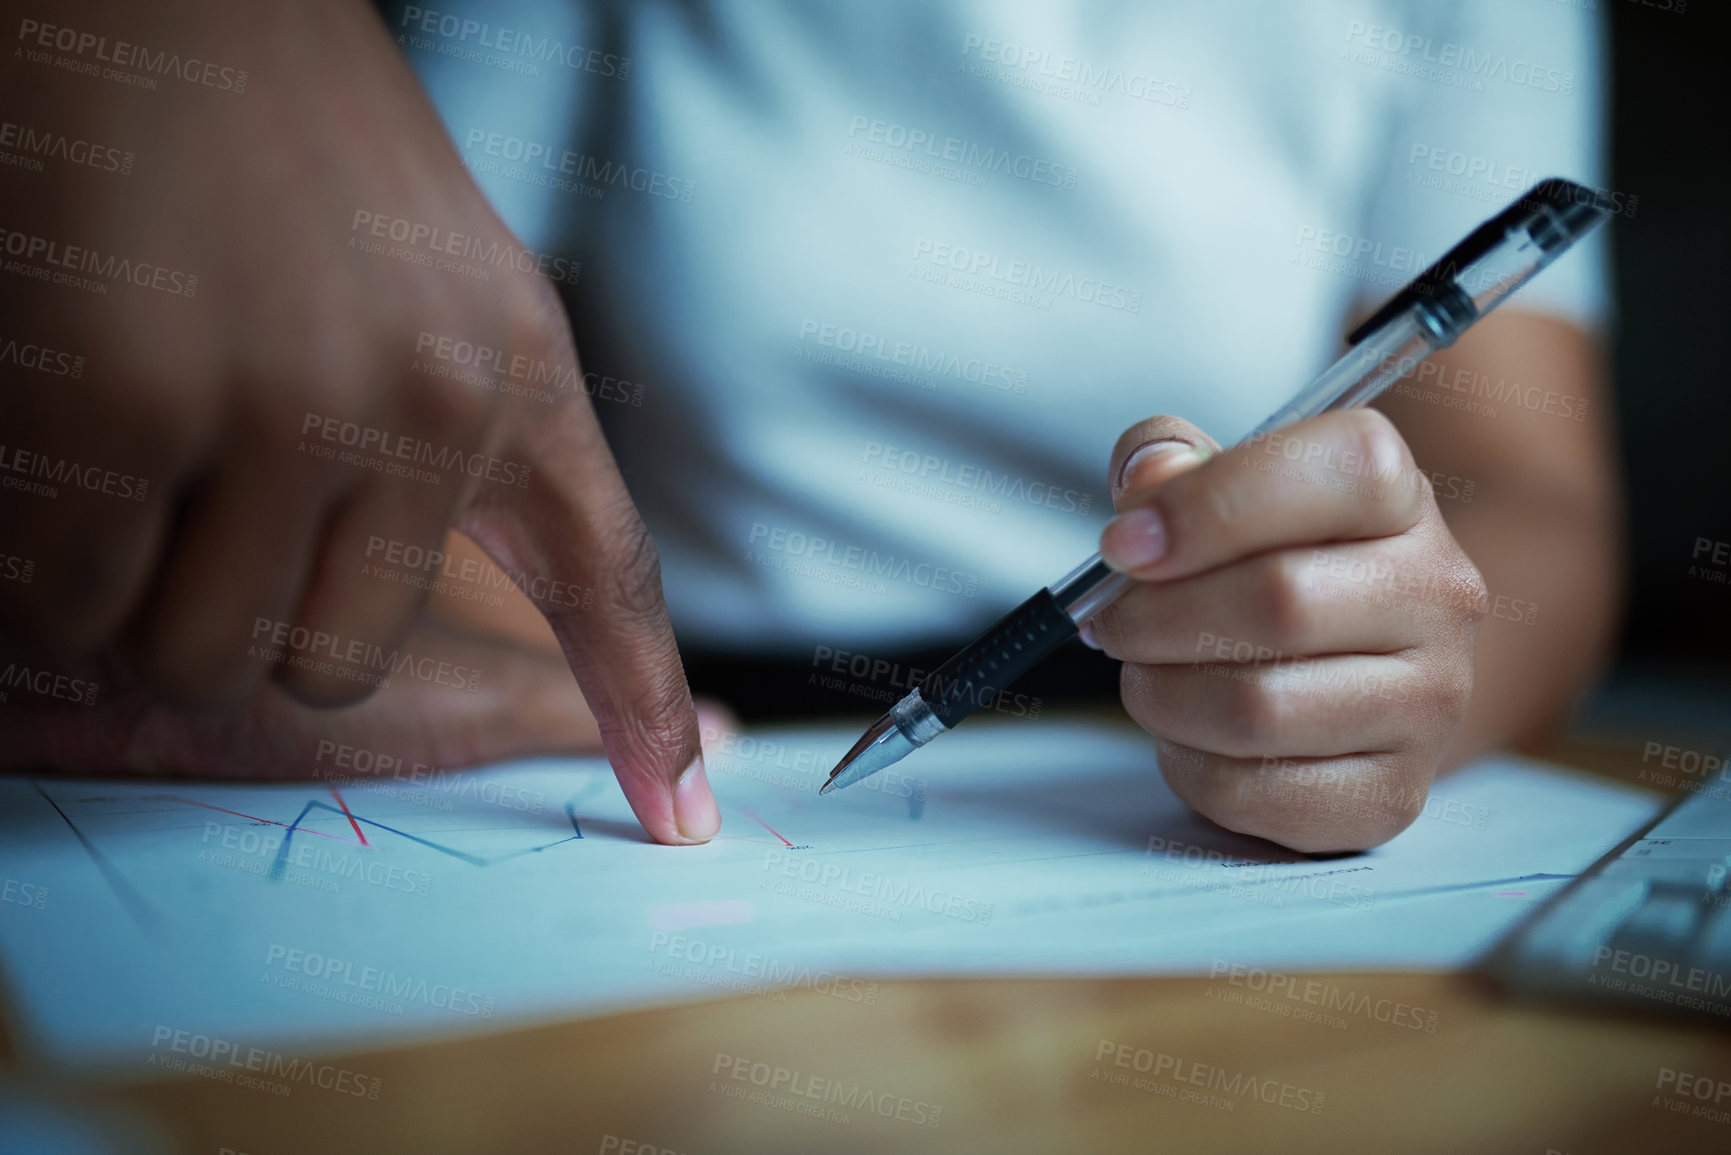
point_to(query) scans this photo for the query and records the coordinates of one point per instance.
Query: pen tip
(883, 744)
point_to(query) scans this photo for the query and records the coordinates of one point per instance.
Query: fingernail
(1134, 540)
(1148, 451)
(1086, 633)
(694, 808)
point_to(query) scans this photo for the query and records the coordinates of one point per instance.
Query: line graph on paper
(274, 912)
(311, 834)
(323, 835)
(286, 911)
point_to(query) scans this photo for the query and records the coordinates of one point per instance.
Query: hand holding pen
(1301, 623)
(1295, 618)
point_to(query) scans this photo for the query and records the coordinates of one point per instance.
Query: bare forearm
(1551, 567)
(1530, 492)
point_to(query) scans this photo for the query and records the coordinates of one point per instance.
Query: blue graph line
(278, 866)
(149, 920)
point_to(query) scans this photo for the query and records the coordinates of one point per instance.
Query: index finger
(571, 539)
(1342, 476)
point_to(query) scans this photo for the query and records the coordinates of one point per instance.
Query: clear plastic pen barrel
(1449, 304)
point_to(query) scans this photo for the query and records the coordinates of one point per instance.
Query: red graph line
(765, 825)
(351, 817)
(249, 817)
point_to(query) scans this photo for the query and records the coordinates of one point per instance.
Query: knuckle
(1256, 716)
(340, 383)
(1468, 592)
(446, 405)
(1201, 505)
(533, 316)
(633, 579)
(1454, 589)
(653, 734)
(655, 723)
(197, 673)
(1451, 690)
(1215, 499)
(280, 414)
(1283, 600)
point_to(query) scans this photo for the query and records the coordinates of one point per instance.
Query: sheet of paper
(139, 918)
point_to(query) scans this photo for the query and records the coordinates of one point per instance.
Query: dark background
(1669, 142)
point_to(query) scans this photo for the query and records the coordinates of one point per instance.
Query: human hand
(254, 408)
(410, 730)
(1301, 634)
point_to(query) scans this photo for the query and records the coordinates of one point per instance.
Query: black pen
(1440, 304)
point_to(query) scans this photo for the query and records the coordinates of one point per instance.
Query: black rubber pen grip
(988, 664)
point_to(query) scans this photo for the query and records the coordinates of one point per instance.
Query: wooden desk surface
(1134, 1065)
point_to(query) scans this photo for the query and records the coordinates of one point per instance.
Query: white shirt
(887, 280)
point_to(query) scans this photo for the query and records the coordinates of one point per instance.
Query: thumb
(571, 539)
(1151, 453)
